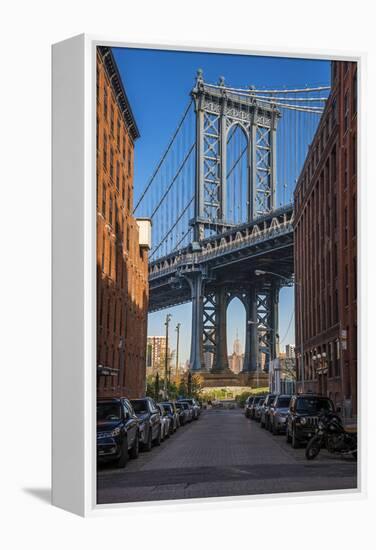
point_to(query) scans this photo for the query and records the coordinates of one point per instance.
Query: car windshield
(283, 402)
(178, 405)
(261, 402)
(167, 408)
(140, 406)
(269, 400)
(313, 405)
(108, 411)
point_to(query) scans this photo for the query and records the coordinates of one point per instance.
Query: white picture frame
(74, 276)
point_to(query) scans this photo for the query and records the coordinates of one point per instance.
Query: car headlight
(321, 425)
(303, 421)
(113, 433)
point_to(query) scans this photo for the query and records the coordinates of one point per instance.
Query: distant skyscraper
(236, 359)
(290, 351)
(155, 354)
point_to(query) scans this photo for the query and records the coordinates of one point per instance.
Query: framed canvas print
(205, 274)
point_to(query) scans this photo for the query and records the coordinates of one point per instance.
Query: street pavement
(222, 454)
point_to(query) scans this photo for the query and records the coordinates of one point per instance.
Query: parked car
(173, 414)
(165, 422)
(258, 409)
(278, 414)
(303, 416)
(247, 406)
(196, 408)
(253, 405)
(150, 427)
(186, 412)
(118, 431)
(265, 410)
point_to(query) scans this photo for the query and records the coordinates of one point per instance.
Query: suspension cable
(173, 227)
(173, 180)
(164, 155)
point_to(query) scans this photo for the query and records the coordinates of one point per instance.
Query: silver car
(258, 409)
(278, 414)
(165, 422)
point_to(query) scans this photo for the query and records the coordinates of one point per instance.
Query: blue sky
(158, 84)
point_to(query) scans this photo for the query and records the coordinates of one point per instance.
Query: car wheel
(288, 436)
(134, 452)
(158, 439)
(123, 459)
(148, 444)
(274, 429)
(262, 424)
(294, 441)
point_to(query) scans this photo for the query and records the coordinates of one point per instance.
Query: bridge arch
(237, 178)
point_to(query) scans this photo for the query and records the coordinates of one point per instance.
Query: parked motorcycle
(330, 434)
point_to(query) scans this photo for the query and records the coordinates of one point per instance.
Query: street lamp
(177, 328)
(259, 272)
(168, 319)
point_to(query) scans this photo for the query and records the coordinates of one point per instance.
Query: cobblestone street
(222, 454)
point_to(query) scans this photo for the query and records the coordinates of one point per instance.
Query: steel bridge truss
(218, 112)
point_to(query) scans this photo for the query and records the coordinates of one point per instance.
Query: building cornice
(117, 84)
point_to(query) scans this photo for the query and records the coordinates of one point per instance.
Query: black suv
(303, 416)
(117, 431)
(150, 426)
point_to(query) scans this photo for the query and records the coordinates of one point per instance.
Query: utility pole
(177, 348)
(167, 322)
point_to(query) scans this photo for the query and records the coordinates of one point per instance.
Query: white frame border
(74, 176)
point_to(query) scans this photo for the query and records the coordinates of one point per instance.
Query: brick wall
(122, 288)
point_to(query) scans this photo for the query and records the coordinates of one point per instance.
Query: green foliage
(241, 398)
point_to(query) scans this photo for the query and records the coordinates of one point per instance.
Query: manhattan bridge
(220, 201)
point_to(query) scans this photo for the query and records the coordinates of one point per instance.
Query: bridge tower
(219, 110)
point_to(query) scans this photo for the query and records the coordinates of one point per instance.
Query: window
(104, 191)
(345, 170)
(105, 150)
(355, 93)
(334, 70)
(110, 267)
(103, 253)
(118, 175)
(129, 161)
(346, 226)
(346, 111)
(354, 155)
(334, 114)
(335, 211)
(105, 102)
(335, 261)
(355, 277)
(336, 312)
(118, 134)
(111, 210)
(346, 285)
(124, 148)
(334, 165)
(354, 216)
(97, 83)
(112, 120)
(123, 188)
(112, 163)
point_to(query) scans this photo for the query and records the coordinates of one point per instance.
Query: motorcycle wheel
(313, 448)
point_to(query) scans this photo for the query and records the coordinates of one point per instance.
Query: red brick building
(122, 275)
(325, 236)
